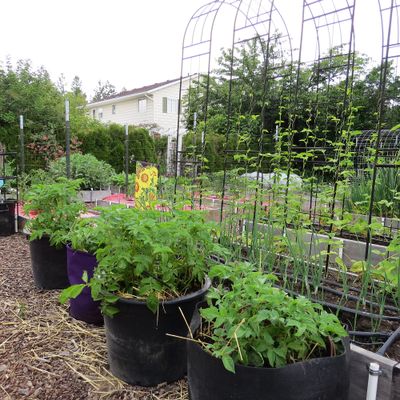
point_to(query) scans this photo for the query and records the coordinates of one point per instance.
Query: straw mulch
(44, 353)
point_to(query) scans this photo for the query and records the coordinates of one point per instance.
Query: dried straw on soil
(44, 353)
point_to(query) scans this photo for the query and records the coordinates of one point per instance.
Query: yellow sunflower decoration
(145, 185)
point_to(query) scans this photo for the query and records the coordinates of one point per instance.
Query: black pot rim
(239, 367)
(178, 300)
(44, 237)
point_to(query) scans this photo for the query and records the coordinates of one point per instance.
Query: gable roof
(138, 91)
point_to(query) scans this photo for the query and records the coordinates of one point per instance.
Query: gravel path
(44, 353)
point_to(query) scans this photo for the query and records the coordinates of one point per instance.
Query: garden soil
(47, 355)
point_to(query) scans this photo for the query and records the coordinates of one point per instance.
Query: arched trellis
(332, 23)
(389, 12)
(314, 124)
(388, 148)
(251, 22)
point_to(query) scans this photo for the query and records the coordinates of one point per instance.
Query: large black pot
(82, 307)
(325, 378)
(139, 351)
(49, 265)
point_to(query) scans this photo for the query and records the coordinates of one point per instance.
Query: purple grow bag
(82, 307)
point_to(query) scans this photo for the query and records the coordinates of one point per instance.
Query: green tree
(103, 90)
(76, 87)
(31, 93)
(107, 143)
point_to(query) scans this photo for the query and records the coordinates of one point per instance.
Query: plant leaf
(71, 292)
(228, 363)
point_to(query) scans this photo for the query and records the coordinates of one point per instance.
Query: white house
(153, 104)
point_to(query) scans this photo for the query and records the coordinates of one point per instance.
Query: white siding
(126, 112)
(168, 121)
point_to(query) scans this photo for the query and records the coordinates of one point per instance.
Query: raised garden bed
(91, 196)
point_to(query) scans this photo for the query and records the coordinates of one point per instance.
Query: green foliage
(386, 272)
(255, 324)
(84, 235)
(33, 177)
(150, 255)
(107, 143)
(31, 93)
(160, 147)
(386, 193)
(71, 292)
(57, 208)
(213, 148)
(103, 91)
(119, 179)
(93, 173)
(313, 121)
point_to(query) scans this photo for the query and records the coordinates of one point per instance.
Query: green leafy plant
(150, 255)
(93, 173)
(386, 193)
(119, 179)
(57, 208)
(248, 321)
(83, 235)
(33, 177)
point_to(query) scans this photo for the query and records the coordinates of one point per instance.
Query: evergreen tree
(103, 90)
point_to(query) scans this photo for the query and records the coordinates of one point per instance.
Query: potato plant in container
(152, 271)
(56, 207)
(252, 341)
(84, 241)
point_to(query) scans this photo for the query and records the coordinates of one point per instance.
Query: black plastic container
(139, 351)
(7, 217)
(325, 378)
(49, 265)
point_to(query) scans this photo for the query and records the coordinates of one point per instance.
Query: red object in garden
(119, 198)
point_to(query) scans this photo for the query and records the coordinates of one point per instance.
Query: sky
(130, 43)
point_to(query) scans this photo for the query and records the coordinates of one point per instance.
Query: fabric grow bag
(139, 351)
(7, 217)
(325, 378)
(82, 307)
(49, 265)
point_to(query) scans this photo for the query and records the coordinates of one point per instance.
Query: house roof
(138, 91)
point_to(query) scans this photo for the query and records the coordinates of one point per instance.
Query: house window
(142, 105)
(100, 113)
(94, 113)
(113, 108)
(170, 106)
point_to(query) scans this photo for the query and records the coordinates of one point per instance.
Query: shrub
(107, 143)
(93, 173)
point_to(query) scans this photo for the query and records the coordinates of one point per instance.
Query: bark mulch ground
(44, 353)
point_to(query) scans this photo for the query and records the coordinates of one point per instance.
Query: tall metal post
(21, 143)
(126, 160)
(67, 140)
